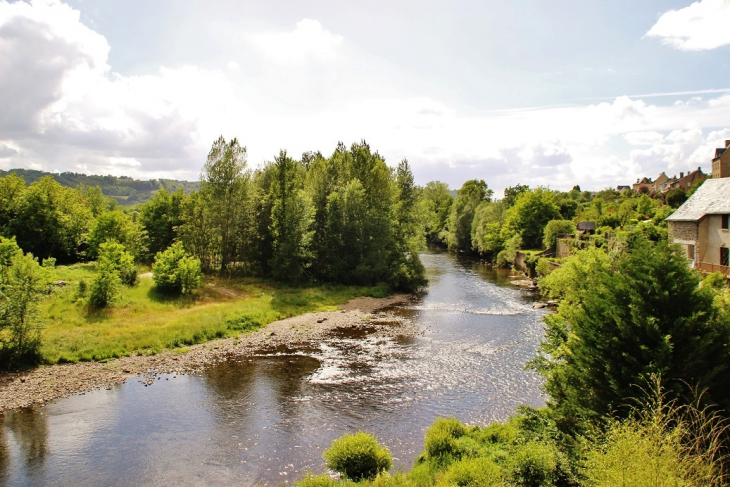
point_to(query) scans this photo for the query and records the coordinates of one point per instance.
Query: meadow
(144, 321)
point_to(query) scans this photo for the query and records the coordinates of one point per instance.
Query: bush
(441, 444)
(176, 271)
(358, 456)
(104, 289)
(472, 471)
(533, 465)
(554, 229)
(22, 282)
(507, 256)
(114, 255)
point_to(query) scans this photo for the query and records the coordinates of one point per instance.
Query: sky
(528, 91)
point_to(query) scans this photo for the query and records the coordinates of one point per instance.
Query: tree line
(348, 218)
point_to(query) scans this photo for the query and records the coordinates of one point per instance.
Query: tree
(50, 220)
(436, 201)
(114, 226)
(676, 198)
(511, 193)
(160, 217)
(175, 271)
(530, 214)
(407, 271)
(625, 321)
(113, 255)
(224, 182)
(471, 194)
(487, 226)
(22, 284)
(290, 220)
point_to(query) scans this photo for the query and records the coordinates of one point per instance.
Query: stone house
(721, 162)
(643, 183)
(702, 228)
(685, 182)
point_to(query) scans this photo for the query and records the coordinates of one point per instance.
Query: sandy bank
(38, 386)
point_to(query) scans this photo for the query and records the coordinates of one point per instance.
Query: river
(267, 419)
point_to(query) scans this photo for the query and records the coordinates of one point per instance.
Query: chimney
(727, 144)
(681, 175)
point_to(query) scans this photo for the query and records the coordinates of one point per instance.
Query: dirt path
(38, 386)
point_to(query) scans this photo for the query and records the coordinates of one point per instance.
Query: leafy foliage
(358, 456)
(176, 271)
(554, 229)
(22, 284)
(627, 319)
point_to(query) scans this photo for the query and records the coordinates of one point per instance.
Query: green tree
(114, 226)
(50, 220)
(436, 201)
(290, 220)
(471, 194)
(23, 282)
(224, 182)
(625, 321)
(160, 217)
(12, 188)
(487, 227)
(113, 255)
(530, 214)
(676, 197)
(511, 193)
(175, 271)
(407, 271)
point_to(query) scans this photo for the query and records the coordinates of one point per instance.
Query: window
(691, 252)
(724, 256)
(725, 222)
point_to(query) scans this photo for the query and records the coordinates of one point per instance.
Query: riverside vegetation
(634, 360)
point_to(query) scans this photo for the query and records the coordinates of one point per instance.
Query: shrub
(506, 257)
(104, 289)
(533, 465)
(472, 471)
(114, 255)
(22, 282)
(441, 444)
(554, 229)
(176, 271)
(358, 456)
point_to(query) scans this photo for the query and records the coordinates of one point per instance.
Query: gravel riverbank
(43, 384)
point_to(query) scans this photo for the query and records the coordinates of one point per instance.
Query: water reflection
(267, 419)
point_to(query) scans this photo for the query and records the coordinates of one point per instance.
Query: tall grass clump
(358, 456)
(661, 444)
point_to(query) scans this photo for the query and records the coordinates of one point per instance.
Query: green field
(144, 321)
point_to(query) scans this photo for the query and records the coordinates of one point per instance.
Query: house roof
(712, 198)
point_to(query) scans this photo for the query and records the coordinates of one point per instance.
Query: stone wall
(562, 249)
(684, 231)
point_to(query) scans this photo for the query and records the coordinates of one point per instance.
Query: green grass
(145, 321)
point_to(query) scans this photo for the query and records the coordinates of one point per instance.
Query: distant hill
(127, 191)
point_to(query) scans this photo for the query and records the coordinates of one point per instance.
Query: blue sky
(531, 92)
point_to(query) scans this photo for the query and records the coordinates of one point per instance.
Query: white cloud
(701, 26)
(309, 41)
(65, 108)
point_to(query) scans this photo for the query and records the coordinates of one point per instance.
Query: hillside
(127, 191)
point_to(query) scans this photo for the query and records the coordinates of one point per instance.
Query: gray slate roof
(712, 198)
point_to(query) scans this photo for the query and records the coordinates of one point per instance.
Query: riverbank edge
(47, 383)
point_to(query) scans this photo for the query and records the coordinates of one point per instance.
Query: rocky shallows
(46, 383)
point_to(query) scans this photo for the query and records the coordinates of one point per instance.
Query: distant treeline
(126, 191)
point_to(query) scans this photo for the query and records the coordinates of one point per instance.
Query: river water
(267, 419)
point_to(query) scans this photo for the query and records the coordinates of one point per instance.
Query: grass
(144, 321)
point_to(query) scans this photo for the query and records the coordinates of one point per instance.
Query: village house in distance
(701, 224)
